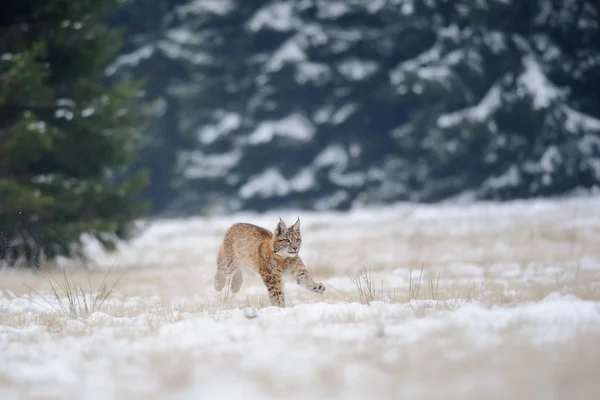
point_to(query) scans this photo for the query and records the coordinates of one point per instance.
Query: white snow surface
(266, 184)
(199, 165)
(295, 126)
(479, 112)
(532, 80)
(278, 16)
(517, 314)
(132, 59)
(537, 84)
(219, 7)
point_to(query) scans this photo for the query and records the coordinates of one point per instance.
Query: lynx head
(286, 241)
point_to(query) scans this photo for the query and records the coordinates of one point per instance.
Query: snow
(532, 80)
(303, 180)
(357, 70)
(294, 126)
(332, 9)
(223, 356)
(278, 16)
(415, 65)
(335, 115)
(479, 112)
(432, 64)
(330, 202)
(408, 7)
(537, 84)
(228, 122)
(495, 41)
(333, 155)
(509, 178)
(8, 56)
(289, 52)
(312, 72)
(517, 312)
(131, 60)
(343, 113)
(88, 112)
(550, 159)
(198, 165)
(356, 179)
(184, 36)
(312, 34)
(172, 49)
(219, 7)
(39, 126)
(269, 183)
(577, 120)
(63, 113)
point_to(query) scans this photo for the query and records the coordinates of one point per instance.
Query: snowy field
(448, 301)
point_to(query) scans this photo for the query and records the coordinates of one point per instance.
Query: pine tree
(64, 137)
(154, 51)
(216, 114)
(508, 131)
(304, 112)
(328, 104)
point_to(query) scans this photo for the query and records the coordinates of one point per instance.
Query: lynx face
(287, 241)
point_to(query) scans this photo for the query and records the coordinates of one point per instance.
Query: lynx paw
(318, 288)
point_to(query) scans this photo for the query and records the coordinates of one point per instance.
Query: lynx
(270, 255)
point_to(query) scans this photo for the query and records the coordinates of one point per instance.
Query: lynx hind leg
(219, 280)
(224, 266)
(236, 281)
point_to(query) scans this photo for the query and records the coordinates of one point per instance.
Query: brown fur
(268, 254)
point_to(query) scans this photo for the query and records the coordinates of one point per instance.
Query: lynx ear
(296, 226)
(281, 227)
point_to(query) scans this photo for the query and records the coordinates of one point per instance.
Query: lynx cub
(270, 255)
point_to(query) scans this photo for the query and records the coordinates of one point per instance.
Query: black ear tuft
(296, 226)
(281, 227)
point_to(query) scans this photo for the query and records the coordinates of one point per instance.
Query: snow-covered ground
(446, 301)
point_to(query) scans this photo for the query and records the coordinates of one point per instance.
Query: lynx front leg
(304, 278)
(274, 283)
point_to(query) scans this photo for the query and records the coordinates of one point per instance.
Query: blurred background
(113, 110)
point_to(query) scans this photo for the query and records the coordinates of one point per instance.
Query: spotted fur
(270, 255)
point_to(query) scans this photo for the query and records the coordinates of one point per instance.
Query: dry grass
(369, 289)
(152, 320)
(73, 298)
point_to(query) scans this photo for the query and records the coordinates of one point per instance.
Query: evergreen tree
(64, 137)
(301, 111)
(508, 131)
(328, 104)
(216, 102)
(154, 51)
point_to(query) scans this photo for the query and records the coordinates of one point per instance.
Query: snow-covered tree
(154, 52)
(509, 131)
(329, 103)
(65, 138)
(303, 112)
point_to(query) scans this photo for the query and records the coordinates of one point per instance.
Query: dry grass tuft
(368, 290)
(74, 298)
